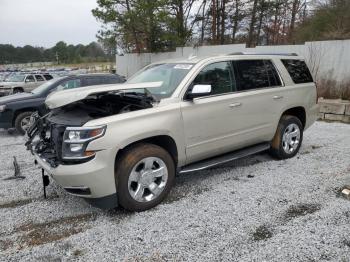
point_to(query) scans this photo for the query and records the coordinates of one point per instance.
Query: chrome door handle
(277, 97)
(235, 105)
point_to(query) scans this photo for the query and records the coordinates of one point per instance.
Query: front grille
(56, 139)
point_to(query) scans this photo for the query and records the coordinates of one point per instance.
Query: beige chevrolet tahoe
(123, 144)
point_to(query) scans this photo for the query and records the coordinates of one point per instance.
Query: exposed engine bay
(46, 134)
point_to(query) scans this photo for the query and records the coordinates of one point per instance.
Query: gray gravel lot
(255, 209)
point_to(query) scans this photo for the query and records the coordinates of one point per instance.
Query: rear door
(235, 115)
(30, 83)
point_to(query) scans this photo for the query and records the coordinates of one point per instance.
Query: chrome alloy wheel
(147, 179)
(291, 138)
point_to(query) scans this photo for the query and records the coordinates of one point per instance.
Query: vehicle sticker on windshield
(183, 66)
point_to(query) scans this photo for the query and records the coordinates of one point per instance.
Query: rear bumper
(311, 116)
(93, 180)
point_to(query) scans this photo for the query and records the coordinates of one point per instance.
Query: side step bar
(203, 164)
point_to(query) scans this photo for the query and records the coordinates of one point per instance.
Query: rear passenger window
(48, 77)
(251, 74)
(219, 76)
(298, 71)
(39, 78)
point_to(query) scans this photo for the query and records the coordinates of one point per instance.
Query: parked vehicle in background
(130, 140)
(19, 83)
(15, 110)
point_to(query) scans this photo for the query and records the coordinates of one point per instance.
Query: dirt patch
(22, 202)
(17, 203)
(301, 210)
(42, 233)
(5, 244)
(262, 233)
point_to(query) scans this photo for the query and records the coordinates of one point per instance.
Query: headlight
(76, 140)
(2, 108)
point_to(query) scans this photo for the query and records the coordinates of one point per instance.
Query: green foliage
(330, 21)
(143, 25)
(61, 52)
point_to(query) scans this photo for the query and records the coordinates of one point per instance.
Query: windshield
(169, 74)
(44, 87)
(15, 78)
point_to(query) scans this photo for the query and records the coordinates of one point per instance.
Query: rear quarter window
(298, 70)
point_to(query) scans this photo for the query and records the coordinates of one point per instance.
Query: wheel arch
(298, 111)
(18, 87)
(22, 110)
(164, 141)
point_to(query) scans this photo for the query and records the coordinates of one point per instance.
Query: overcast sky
(45, 22)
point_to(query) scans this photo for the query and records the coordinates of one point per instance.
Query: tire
(141, 168)
(19, 122)
(286, 142)
(17, 90)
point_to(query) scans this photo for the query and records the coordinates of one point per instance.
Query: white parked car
(18, 83)
(123, 144)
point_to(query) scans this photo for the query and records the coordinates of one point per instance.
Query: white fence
(328, 60)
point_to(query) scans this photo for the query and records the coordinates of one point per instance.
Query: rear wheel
(23, 122)
(288, 138)
(144, 176)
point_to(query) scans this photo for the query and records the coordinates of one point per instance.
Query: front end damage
(59, 137)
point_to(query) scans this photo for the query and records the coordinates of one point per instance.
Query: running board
(222, 159)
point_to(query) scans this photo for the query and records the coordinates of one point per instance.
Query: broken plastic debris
(346, 192)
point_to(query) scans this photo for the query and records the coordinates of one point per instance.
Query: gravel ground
(255, 209)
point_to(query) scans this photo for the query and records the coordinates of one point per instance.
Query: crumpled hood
(8, 84)
(65, 97)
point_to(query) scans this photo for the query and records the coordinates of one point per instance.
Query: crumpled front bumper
(93, 180)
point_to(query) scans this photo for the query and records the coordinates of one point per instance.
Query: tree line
(60, 53)
(162, 25)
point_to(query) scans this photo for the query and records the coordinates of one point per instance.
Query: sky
(45, 22)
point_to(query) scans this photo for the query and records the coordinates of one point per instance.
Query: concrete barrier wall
(328, 60)
(334, 110)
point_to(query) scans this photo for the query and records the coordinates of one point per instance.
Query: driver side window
(69, 84)
(219, 76)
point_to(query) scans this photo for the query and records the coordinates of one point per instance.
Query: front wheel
(144, 176)
(288, 138)
(23, 122)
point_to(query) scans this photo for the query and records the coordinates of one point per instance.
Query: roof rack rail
(282, 54)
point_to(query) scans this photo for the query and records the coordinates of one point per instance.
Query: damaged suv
(123, 144)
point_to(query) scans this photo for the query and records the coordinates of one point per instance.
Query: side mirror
(198, 91)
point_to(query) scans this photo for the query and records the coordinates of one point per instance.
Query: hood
(65, 97)
(8, 84)
(16, 98)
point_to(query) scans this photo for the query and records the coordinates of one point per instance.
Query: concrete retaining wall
(334, 110)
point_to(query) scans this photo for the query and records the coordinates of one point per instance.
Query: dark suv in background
(15, 110)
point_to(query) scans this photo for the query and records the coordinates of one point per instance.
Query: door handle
(277, 97)
(235, 105)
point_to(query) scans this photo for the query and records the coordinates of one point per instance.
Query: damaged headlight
(76, 140)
